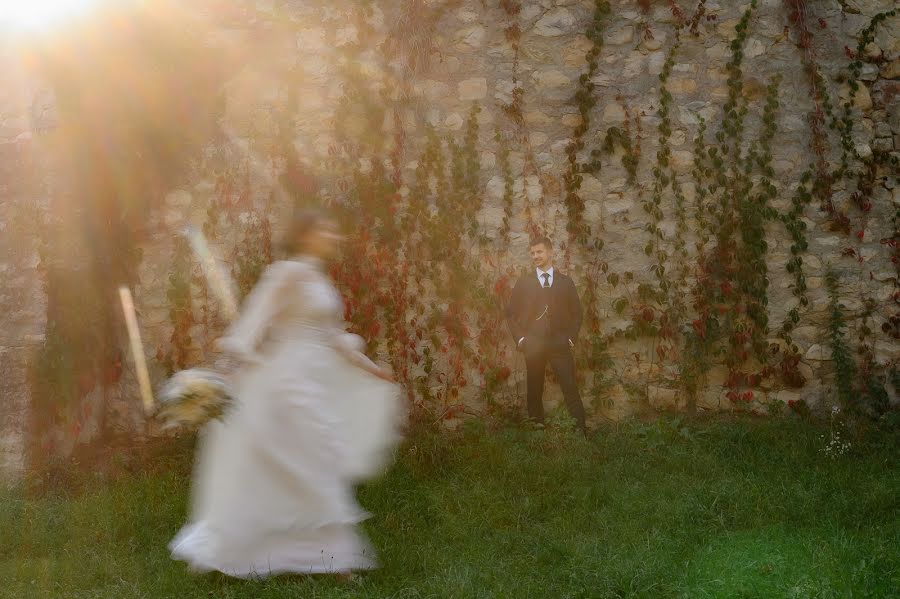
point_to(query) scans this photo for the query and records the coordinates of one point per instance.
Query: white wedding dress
(274, 482)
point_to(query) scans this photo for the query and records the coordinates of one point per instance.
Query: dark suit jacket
(528, 300)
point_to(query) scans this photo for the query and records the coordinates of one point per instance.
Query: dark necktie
(546, 276)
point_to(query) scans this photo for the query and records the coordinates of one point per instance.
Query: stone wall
(21, 295)
(433, 60)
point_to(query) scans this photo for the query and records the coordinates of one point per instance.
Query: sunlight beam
(38, 15)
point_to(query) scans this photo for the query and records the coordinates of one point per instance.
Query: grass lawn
(671, 509)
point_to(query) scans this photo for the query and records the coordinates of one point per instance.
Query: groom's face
(541, 256)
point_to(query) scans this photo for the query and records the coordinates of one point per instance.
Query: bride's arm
(262, 304)
(351, 347)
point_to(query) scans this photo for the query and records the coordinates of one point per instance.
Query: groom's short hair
(541, 240)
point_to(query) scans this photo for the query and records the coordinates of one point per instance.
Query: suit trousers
(559, 355)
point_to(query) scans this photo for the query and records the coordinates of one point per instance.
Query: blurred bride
(274, 482)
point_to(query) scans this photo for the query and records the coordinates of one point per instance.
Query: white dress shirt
(540, 276)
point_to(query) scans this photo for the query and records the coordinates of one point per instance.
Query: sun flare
(36, 15)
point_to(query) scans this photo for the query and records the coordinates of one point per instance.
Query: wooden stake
(137, 349)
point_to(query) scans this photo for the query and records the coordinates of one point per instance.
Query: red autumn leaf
(112, 373)
(86, 383)
(699, 328)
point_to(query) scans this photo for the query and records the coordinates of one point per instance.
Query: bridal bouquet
(192, 397)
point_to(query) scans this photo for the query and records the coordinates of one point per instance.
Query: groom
(544, 316)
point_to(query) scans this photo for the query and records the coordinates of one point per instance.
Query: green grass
(716, 509)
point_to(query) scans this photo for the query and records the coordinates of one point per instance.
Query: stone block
(557, 22)
(891, 70)
(472, 89)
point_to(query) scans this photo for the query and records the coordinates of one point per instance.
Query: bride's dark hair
(303, 221)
